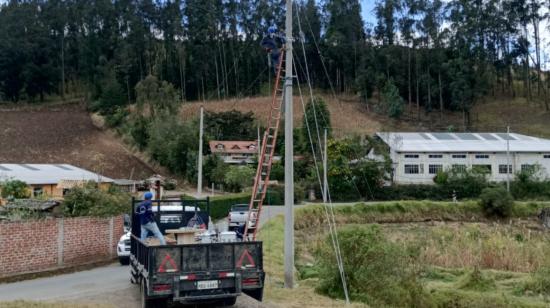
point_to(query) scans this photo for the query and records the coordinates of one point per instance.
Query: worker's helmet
(271, 29)
(148, 196)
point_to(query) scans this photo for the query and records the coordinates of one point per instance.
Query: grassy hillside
(351, 116)
(64, 133)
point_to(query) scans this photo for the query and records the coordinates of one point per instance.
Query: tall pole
(508, 159)
(289, 156)
(325, 165)
(199, 177)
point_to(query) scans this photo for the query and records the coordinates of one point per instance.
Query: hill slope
(64, 134)
(350, 116)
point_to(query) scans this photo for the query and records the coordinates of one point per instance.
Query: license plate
(207, 284)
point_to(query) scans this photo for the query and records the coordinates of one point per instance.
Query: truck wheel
(256, 294)
(124, 260)
(229, 301)
(151, 302)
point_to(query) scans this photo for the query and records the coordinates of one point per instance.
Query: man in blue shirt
(273, 42)
(147, 219)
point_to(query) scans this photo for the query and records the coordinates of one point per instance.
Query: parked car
(123, 248)
(237, 216)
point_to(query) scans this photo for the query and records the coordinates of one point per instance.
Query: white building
(417, 157)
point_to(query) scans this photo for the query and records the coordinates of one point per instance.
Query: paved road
(104, 285)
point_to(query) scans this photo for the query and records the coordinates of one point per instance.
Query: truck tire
(151, 302)
(124, 260)
(256, 294)
(228, 302)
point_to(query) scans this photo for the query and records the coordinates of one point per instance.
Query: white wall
(495, 159)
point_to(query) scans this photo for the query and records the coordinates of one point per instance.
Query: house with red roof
(235, 152)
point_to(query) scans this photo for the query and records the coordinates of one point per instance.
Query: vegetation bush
(238, 177)
(466, 183)
(220, 206)
(117, 117)
(529, 184)
(214, 169)
(476, 280)
(496, 201)
(89, 200)
(378, 272)
(539, 282)
(14, 189)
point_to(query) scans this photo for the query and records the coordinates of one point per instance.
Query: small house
(52, 180)
(235, 152)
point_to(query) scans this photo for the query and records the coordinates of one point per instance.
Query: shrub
(220, 206)
(496, 202)
(89, 200)
(238, 177)
(378, 272)
(540, 281)
(117, 117)
(14, 189)
(530, 184)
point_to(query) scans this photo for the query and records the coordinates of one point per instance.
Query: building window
(546, 155)
(458, 168)
(502, 169)
(482, 156)
(412, 155)
(434, 169)
(412, 169)
(459, 155)
(483, 168)
(436, 155)
(37, 191)
(527, 168)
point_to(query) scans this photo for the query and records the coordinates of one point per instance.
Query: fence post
(60, 239)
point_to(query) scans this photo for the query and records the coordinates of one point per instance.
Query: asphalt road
(108, 285)
(104, 285)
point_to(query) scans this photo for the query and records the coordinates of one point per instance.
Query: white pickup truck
(238, 215)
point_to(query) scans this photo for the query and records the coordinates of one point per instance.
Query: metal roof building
(463, 142)
(34, 174)
(418, 157)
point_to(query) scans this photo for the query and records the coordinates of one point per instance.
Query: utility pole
(289, 156)
(508, 159)
(199, 177)
(325, 165)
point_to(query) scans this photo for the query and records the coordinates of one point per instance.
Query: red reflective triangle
(248, 257)
(172, 263)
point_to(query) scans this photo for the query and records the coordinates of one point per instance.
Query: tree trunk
(63, 65)
(409, 77)
(440, 96)
(417, 86)
(217, 78)
(537, 53)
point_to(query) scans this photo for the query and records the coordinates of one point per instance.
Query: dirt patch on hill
(348, 116)
(64, 134)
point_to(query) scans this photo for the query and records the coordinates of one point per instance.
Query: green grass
(466, 260)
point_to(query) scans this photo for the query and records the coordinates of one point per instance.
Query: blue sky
(366, 7)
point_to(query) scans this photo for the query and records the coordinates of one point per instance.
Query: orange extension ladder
(265, 159)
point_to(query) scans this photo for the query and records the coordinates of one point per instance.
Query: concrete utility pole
(325, 165)
(199, 177)
(289, 156)
(508, 159)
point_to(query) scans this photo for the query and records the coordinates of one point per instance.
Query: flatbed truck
(200, 273)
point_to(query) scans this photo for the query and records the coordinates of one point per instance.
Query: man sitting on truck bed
(147, 219)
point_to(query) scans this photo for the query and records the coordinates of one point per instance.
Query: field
(64, 134)
(350, 116)
(462, 259)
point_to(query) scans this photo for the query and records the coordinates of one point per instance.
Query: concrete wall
(447, 161)
(38, 245)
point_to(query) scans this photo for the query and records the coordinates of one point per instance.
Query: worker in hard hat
(147, 219)
(273, 42)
